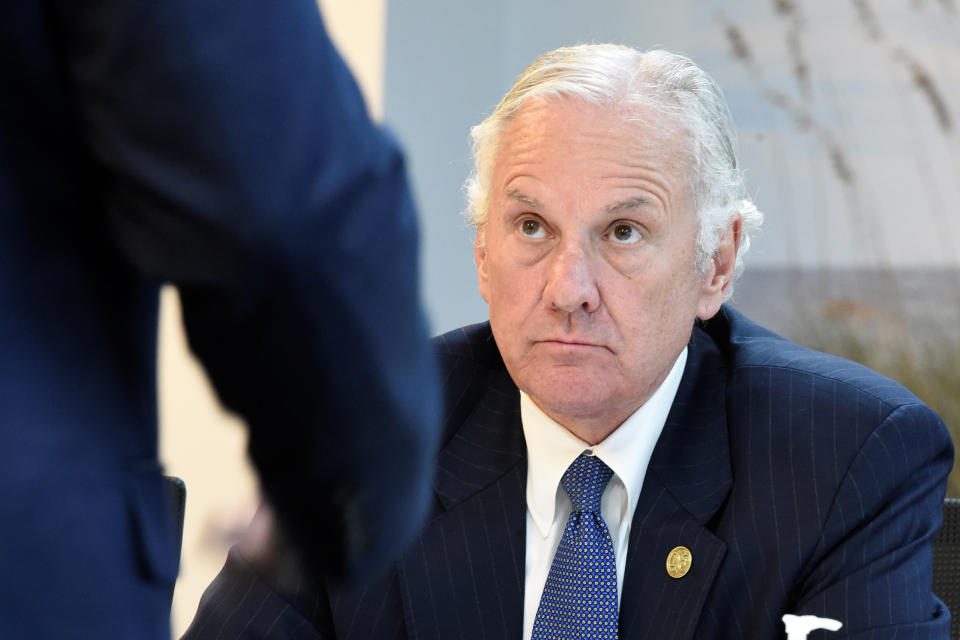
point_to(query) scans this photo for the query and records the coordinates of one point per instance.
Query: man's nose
(571, 280)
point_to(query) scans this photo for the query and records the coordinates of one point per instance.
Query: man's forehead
(622, 152)
(620, 206)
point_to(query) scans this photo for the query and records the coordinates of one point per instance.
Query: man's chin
(570, 395)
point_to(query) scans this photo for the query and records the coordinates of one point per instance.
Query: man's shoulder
(471, 369)
(752, 350)
(472, 344)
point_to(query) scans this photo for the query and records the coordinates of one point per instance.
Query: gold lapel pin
(679, 561)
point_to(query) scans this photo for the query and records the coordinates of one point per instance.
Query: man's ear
(719, 273)
(480, 257)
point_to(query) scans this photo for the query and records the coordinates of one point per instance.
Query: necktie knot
(584, 481)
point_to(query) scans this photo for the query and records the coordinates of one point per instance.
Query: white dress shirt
(551, 449)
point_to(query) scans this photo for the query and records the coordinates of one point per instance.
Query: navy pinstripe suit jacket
(801, 483)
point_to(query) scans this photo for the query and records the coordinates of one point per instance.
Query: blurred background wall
(848, 121)
(846, 111)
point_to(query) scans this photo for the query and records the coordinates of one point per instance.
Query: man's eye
(531, 228)
(623, 233)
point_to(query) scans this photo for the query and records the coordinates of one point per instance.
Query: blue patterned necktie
(579, 600)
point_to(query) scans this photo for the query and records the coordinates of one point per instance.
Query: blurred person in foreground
(222, 147)
(626, 456)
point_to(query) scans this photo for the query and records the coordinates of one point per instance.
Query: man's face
(588, 259)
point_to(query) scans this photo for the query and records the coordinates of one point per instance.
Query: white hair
(618, 76)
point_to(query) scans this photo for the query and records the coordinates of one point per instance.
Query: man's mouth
(572, 343)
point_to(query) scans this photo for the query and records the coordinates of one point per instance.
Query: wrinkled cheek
(674, 300)
(516, 310)
(509, 333)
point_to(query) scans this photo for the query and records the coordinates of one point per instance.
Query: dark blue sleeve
(872, 568)
(240, 605)
(237, 161)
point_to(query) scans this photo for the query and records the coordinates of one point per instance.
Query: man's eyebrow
(627, 205)
(524, 198)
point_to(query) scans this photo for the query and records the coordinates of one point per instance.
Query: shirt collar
(627, 451)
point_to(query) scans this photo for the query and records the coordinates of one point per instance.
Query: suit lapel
(687, 481)
(464, 577)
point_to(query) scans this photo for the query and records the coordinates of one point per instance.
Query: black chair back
(177, 495)
(946, 563)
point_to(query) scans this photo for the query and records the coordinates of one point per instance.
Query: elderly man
(626, 457)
